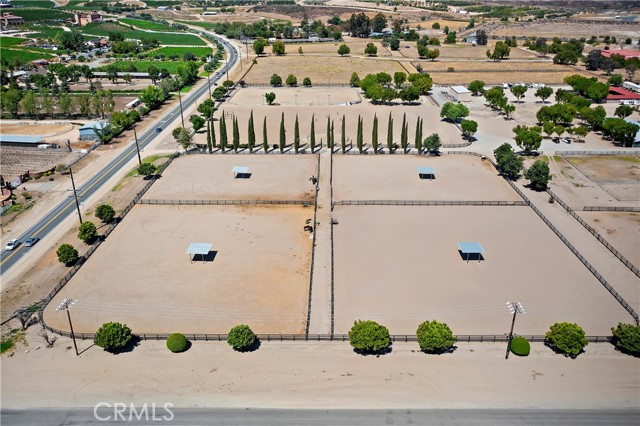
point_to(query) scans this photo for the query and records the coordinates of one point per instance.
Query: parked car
(159, 129)
(556, 139)
(31, 241)
(567, 140)
(12, 244)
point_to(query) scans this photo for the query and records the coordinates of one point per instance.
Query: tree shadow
(560, 352)
(377, 354)
(449, 350)
(129, 347)
(254, 347)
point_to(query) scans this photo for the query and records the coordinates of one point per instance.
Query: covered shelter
(469, 248)
(240, 172)
(461, 93)
(92, 130)
(426, 173)
(21, 141)
(196, 249)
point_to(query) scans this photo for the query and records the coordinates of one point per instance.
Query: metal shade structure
(426, 171)
(201, 249)
(240, 171)
(468, 248)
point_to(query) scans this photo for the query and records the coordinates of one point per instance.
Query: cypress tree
(418, 141)
(333, 135)
(236, 135)
(404, 139)
(213, 133)
(359, 140)
(390, 134)
(312, 136)
(296, 135)
(252, 134)
(265, 140)
(329, 143)
(223, 133)
(209, 147)
(283, 135)
(374, 134)
(343, 137)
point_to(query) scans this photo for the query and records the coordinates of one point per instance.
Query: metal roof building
(19, 140)
(92, 129)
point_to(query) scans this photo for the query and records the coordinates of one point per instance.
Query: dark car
(159, 129)
(31, 241)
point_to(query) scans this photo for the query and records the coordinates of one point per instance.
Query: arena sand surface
(401, 266)
(620, 229)
(395, 177)
(207, 177)
(141, 275)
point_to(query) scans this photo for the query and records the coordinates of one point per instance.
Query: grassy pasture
(147, 25)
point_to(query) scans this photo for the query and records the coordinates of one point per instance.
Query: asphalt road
(303, 417)
(67, 207)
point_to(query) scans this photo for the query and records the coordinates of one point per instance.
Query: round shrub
(113, 336)
(567, 338)
(369, 336)
(177, 343)
(241, 337)
(67, 254)
(434, 336)
(520, 346)
(626, 337)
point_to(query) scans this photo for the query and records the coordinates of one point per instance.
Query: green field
(143, 66)
(46, 4)
(147, 25)
(103, 30)
(11, 41)
(44, 32)
(205, 25)
(168, 51)
(10, 54)
(33, 15)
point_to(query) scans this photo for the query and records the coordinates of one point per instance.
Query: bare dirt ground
(39, 130)
(357, 47)
(257, 274)
(401, 266)
(621, 229)
(319, 69)
(320, 375)
(205, 177)
(618, 169)
(388, 177)
(463, 51)
(550, 29)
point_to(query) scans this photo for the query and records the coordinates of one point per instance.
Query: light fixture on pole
(515, 308)
(75, 194)
(181, 112)
(64, 306)
(135, 136)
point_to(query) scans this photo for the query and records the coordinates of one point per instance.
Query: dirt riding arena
(401, 266)
(389, 177)
(620, 229)
(464, 51)
(206, 177)
(258, 273)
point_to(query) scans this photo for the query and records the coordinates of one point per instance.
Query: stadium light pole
(181, 112)
(75, 194)
(64, 306)
(515, 308)
(135, 136)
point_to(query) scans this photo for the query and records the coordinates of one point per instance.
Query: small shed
(461, 93)
(426, 173)
(201, 249)
(92, 130)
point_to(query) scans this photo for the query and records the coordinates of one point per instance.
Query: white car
(12, 244)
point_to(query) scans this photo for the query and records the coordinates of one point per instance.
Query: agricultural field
(103, 30)
(10, 55)
(11, 41)
(319, 69)
(464, 51)
(169, 51)
(357, 47)
(143, 66)
(42, 15)
(571, 29)
(44, 4)
(147, 25)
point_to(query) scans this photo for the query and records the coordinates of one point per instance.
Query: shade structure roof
(426, 171)
(199, 248)
(240, 170)
(468, 248)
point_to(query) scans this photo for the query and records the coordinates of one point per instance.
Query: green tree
(436, 26)
(615, 80)
(476, 87)
(528, 138)
(374, 134)
(404, 133)
(508, 109)
(312, 133)
(509, 163)
(291, 80)
(344, 50)
(417, 142)
(87, 232)
(296, 135)
(432, 144)
(399, 78)
(544, 93)
(105, 213)
(10, 101)
(209, 141)
(71, 40)
(283, 135)
(394, 43)
(146, 169)
(624, 111)
(182, 137)
(539, 175)
(65, 103)
(223, 133)
(251, 132)
(343, 136)
(369, 337)
(378, 23)
(626, 337)
(236, 135)
(453, 111)
(276, 80)
(151, 96)
(265, 139)
(371, 49)
(390, 134)
(113, 336)
(450, 38)
(329, 143)
(241, 338)
(258, 45)
(500, 51)
(67, 254)
(359, 138)
(177, 343)
(469, 128)
(434, 336)
(197, 122)
(306, 82)
(519, 91)
(567, 338)
(354, 81)
(270, 97)
(29, 103)
(278, 47)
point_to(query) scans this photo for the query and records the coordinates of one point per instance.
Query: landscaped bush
(177, 343)
(87, 232)
(520, 346)
(67, 254)
(113, 336)
(434, 336)
(105, 212)
(626, 337)
(567, 338)
(369, 336)
(241, 337)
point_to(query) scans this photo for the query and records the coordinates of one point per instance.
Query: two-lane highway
(67, 207)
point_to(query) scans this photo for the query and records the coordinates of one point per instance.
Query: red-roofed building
(620, 94)
(626, 53)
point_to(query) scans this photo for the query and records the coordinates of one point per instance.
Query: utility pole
(135, 135)
(209, 83)
(181, 113)
(515, 308)
(64, 306)
(75, 194)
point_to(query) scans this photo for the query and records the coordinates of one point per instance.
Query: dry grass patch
(357, 47)
(464, 51)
